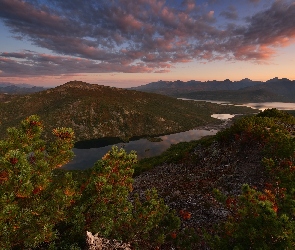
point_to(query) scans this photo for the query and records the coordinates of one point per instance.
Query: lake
(86, 157)
(268, 105)
(256, 105)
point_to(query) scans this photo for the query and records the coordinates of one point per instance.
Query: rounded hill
(95, 111)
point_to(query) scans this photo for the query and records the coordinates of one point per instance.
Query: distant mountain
(174, 87)
(22, 88)
(236, 96)
(245, 90)
(282, 87)
(21, 85)
(95, 111)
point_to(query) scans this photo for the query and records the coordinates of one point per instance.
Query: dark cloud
(254, 1)
(33, 64)
(274, 26)
(136, 36)
(230, 13)
(267, 30)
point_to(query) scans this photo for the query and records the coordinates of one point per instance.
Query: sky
(125, 43)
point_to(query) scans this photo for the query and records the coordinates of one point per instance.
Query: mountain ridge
(272, 90)
(22, 88)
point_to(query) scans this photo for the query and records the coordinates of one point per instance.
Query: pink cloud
(142, 36)
(209, 17)
(168, 16)
(254, 52)
(190, 5)
(162, 71)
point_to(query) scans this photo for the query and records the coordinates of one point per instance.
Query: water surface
(85, 158)
(223, 116)
(269, 105)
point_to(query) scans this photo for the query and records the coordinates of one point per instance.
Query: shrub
(256, 222)
(32, 200)
(106, 207)
(262, 219)
(43, 207)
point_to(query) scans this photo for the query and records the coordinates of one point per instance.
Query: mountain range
(22, 88)
(244, 90)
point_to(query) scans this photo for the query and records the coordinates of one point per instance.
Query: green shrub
(32, 200)
(43, 207)
(255, 221)
(105, 206)
(275, 113)
(262, 219)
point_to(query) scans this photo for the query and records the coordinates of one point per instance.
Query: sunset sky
(126, 43)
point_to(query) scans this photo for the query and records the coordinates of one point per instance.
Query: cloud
(273, 26)
(209, 17)
(254, 1)
(190, 5)
(34, 64)
(231, 13)
(162, 71)
(137, 36)
(266, 30)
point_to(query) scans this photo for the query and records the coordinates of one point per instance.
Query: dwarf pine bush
(31, 201)
(45, 208)
(262, 219)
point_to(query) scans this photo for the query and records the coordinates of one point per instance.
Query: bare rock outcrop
(94, 242)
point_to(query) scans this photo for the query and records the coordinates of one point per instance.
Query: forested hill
(95, 111)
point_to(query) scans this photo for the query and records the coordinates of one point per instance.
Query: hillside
(95, 111)
(187, 174)
(238, 91)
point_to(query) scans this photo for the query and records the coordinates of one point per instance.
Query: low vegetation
(46, 208)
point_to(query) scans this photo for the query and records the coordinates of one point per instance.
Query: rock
(94, 242)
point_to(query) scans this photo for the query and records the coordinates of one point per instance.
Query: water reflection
(85, 158)
(212, 101)
(256, 105)
(268, 105)
(222, 116)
